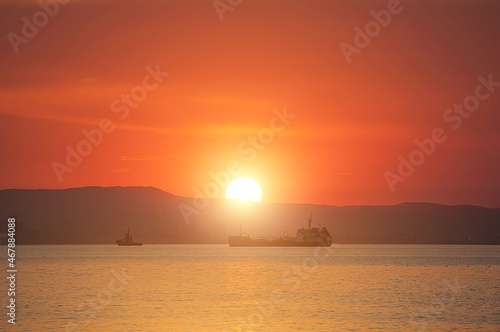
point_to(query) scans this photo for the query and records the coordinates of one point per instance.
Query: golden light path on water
(217, 288)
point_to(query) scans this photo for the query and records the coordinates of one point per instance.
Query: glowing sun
(244, 188)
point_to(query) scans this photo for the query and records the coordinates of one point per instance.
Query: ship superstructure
(128, 240)
(306, 237)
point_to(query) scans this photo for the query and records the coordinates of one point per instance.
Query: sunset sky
(348, 123)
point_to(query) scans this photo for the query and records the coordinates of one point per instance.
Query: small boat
(306, 237)
(128, 241)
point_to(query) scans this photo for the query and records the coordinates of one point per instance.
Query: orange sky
(225, 79)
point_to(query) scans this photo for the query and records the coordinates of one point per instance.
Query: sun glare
(244, 188)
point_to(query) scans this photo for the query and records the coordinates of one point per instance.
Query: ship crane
(309, 221)
(306, 237)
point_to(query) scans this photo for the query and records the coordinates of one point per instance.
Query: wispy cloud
(195, 131)
(121, 170)
(141, 158)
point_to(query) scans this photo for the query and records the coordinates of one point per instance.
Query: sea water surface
(218, 288)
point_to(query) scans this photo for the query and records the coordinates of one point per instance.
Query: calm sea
(217, 288)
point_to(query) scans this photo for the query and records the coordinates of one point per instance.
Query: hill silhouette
(99, 215)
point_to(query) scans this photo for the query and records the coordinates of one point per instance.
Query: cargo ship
(128, 240)
(306, 237)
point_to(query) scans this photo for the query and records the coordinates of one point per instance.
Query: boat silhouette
(128, 240)
(306, 237)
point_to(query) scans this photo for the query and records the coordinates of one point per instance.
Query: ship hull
(244, 241)
(134, 244)
(128, 241)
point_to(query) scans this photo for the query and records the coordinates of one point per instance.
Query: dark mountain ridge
(98, 215)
